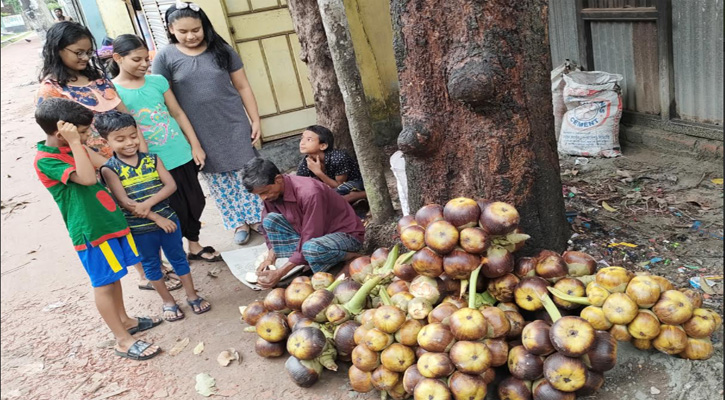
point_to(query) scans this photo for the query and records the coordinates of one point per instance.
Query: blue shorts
(107, 262)
(149, 245)
(350, 186)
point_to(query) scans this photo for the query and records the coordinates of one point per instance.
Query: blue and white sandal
(241, 235)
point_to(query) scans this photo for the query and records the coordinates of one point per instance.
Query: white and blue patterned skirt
(236, 205)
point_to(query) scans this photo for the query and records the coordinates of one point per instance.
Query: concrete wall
(115, 17)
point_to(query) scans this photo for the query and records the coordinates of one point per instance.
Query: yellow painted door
(266, 41)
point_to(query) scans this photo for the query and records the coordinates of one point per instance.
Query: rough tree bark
(315, 53)
(476, 108)
(369, 157)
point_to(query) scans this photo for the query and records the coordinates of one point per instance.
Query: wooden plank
(584, 39)
(646, 65)
(666, 63)
(619, 14)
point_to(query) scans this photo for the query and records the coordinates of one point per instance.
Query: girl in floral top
(71, 70)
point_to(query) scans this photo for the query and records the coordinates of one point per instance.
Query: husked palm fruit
(435, 365)
(602, 356)
(528, 291)
(431, 389)
(524, 365)
(360, 380)
(572, 336)
(470, 357)
(643, 290)
(535, 338)
(671, 340)
(596, 294)
(594, 382)
(673, 308)
(467, 387)
(565, 373)
(397, 357)
(697, 349)
(642, 344)
(384, 379)
(544, 390)
(665, 284)
(513, 388)
(619, 308)
(620, 333)
(694, 296)
(644, 326)
(595, 316)
(614, 279)
(702, 324)
(572, 287)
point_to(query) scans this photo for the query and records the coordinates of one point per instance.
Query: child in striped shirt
(141, 185)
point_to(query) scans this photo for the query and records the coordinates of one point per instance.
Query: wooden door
(265, 39)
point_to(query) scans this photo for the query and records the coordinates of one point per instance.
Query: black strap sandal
(144, 324)
(205, 250)
(135, 352)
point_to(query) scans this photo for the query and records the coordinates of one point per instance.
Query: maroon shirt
(314, 210)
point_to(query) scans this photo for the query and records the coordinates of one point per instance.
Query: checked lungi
(321, 253)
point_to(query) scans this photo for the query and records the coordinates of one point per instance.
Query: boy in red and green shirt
(96, 225)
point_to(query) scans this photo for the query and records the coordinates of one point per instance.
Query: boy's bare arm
(84, 174)
(114, 184)
(96, 158)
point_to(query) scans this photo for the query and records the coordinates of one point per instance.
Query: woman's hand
(199, 156)
(256, 132)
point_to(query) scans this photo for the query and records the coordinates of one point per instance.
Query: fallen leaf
(608, 207)
(179, 346)
(706, 286)
(214, 271)
(227, 356)
(205, 384)
(199, 348)
(717, 181)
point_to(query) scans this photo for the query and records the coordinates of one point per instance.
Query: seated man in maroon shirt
(303, 219)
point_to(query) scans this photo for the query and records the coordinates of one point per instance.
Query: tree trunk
(370, 157)
(476, 108)
(315, 53)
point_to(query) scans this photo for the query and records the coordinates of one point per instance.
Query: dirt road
(55, 346)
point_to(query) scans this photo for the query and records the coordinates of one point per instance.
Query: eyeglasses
(82, 54)
(180, 5)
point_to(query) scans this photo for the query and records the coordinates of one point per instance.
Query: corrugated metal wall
(630, 49)
(697, 38)
(562, 32)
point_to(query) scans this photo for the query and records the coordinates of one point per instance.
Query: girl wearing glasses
(71, 71)
(207, 77)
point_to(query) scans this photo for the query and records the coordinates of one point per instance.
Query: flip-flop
(197, 303)
(148, 286)
(174, 309)
(136, 350)
(205, 250)
(144, 324)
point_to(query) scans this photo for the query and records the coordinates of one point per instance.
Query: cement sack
(591, 124)
(557, 91)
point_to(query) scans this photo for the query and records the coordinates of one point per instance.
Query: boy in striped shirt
(141, 185)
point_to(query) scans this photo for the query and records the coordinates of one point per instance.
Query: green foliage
(52, 5)
(14, 4)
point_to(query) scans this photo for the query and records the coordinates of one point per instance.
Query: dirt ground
(55, 346)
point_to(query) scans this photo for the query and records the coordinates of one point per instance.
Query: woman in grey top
(207, 77)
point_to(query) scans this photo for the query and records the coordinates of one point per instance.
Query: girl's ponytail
(123, 45)
(112, 68)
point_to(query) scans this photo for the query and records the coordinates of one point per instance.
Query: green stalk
(405, 258)
(357, 302)
(390, 261)
(337, 281)
(572, 299)
(385, 297)
(487, 298)
(550, 307)
(472, 287)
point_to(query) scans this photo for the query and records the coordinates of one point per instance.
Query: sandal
(194, 304)
(242, 235)
(177, 284)
(144, 324)
(174, 309)
(205, 250)
(135, 352)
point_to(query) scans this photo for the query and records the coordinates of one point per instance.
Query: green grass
(8, 39)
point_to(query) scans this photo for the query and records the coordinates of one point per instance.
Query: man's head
(58, 12)
(316, 139)
(119, 129)
(52, 110)
(263, 178)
